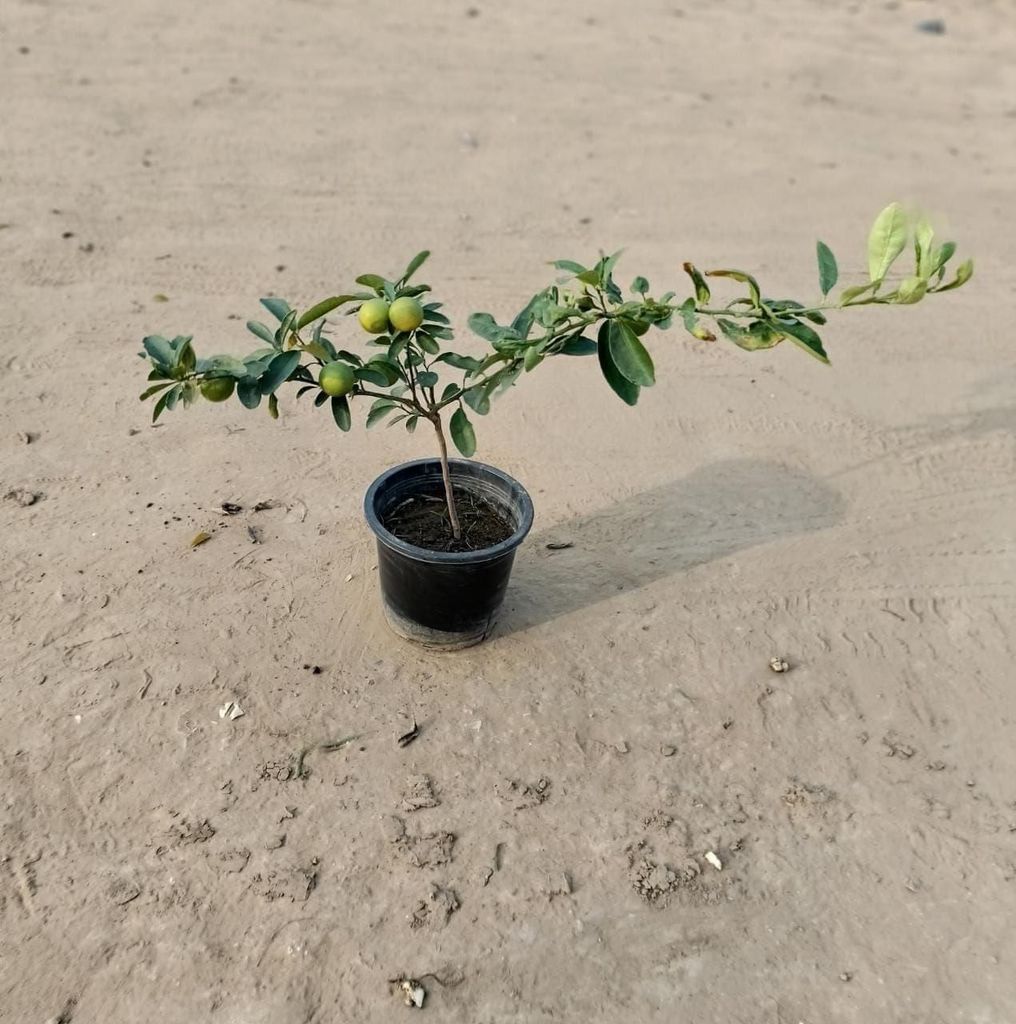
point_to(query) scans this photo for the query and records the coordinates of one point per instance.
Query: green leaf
(412, 290)
(702, 293)
(570, 265)
(154, 390)
(964, 272)
(532, 357)
(640, 285)
(427, 379)
(261, 331)
(489, 329)
(888, 238)
(320, 399)
(257, 362)
(223, 366)
(760, 335)
(350, 357)
(279, 370)
(340, 412)
(398, 346)
(411, 423)
(504, 379)
(434, 317)
(379, 410)
(462, 433)
(739, 275)
(389, 370)
(284, 328)
(372, 281)
(942, 256)
(427, 343)
(185, 358)
(779, 305)
(279, 308)
(273, 406)
(578, 347)
(592, 277)
(248, 391)
(304, 390)
(324, 307)
(449, 391)
(162, 404)
(629, 355)
(467, 363)
(318, 351)
(160, 350)
(478, 398)
(523, 321)
(414, 265)
(372, 376)
(621, 386)
(828, 271)
(804, 337)
(763, 335)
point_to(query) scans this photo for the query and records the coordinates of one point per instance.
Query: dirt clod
(434, 911)
(419, 794)
(522, 795)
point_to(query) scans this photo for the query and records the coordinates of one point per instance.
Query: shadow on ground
(710, 514)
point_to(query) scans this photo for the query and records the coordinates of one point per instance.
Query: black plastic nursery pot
(444, 600)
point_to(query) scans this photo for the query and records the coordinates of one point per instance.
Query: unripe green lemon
(373, 316)
(337, 379)
(217, 389)
(406, 314)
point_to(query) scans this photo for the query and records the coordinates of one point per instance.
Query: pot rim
(489, 554)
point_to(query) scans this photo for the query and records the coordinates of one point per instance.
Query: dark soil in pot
(423, 520)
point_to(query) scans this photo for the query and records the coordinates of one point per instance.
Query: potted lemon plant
(447, 529)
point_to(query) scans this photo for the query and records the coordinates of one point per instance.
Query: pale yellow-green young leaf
(887, 240)
(911, 290)
(924, 235)
(963, 274)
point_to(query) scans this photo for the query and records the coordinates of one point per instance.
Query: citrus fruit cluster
(404, 314)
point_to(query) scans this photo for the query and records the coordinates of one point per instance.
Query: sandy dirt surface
(538, 852)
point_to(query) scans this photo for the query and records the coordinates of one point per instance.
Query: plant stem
(453, 515)
(404, 402)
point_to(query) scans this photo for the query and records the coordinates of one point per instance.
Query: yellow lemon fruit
(373, 316)
(406, 314)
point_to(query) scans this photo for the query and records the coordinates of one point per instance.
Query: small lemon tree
(587, 314)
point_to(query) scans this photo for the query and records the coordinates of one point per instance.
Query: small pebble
(667, 750)
(933, 26)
